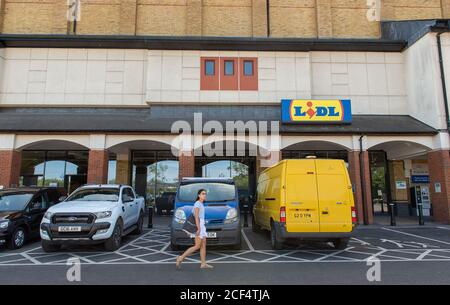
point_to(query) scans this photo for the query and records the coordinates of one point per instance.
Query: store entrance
(379, 174)
(241, 169)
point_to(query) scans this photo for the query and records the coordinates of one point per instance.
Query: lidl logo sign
(316, 111)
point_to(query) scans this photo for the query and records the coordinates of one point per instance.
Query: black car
(21, 213)
(165, 203)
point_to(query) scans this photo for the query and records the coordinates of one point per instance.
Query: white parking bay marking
(417, 236)
(249, 244)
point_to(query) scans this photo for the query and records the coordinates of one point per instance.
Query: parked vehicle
(222, 216)
(245, 200)
(93, 214)
(165, 203)
(21, 212)
(306, 199)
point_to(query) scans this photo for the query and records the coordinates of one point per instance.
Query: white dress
(201, 216)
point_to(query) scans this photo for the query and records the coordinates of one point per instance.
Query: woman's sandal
(178, 263)
(206, 266)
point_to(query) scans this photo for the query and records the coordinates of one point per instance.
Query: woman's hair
(198, 194)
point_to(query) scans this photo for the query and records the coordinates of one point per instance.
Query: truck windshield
(14, 202)
(95, 194)
(215, 192)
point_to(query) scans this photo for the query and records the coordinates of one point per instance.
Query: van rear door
(334, 191)
(302, 207)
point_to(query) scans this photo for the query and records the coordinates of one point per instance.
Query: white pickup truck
(93, 214)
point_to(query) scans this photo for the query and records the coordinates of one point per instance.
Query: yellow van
(306, 199)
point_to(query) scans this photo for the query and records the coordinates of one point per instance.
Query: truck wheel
(114, 242)
(341, 243)
(140, 225)
(255, 227)
(49, 247)
(18, 239)
(277, 243)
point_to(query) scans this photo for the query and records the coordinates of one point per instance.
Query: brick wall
(358, 183)
(439, 167)
(186, 164)
(10, 163)
(288, 18)
(98, 166)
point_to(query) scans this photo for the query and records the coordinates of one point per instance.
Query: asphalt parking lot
(408, 255)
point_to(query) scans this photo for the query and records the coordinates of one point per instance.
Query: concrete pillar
(259, 18)
(194, 18)
(10, 163)
(324, 19)
(187, 164)
(439, 167)
(267, 161)
(98, 167)
(363, 203)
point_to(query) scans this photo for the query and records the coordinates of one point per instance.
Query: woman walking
(201, 235)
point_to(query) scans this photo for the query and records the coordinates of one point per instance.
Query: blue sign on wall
(316, 111)
(420, 179)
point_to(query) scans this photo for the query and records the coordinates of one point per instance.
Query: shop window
(229, 80)
(248, 74)
(66, 169)
(209, 79)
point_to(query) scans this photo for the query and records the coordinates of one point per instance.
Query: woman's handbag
(190, 227)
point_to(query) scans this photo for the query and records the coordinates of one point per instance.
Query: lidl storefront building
(102, 109)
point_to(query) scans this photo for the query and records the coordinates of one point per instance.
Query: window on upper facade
(229, 67)
(210, 67)
(248, 67)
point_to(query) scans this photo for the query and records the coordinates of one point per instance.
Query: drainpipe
(441, 31)
(268, 17)
(363, 185)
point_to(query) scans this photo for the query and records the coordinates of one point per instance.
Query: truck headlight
(180, 216)
(105, 214)
(232, 216)
(4, 225)
(48, 215)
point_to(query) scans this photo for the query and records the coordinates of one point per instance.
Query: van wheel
(140, 225)
(49, 247)
(277, 243)
(114, 242)
(18, 239)
(255, 227)
(341, 243)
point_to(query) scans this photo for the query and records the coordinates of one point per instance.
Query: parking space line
(24, 254)
(422, 256)
(444, 228)
(333, 254)
(249, 244)
(417, 236)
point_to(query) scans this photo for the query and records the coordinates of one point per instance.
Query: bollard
(150, 217)
(421, 220)
(245, 216)
(393, 220)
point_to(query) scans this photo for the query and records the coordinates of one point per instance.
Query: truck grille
(73, 219)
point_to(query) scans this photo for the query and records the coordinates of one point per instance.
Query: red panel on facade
(209, 82)
(248, 81)
(227, 81)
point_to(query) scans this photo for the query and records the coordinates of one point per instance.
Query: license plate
(69, 229)
(209, 235)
